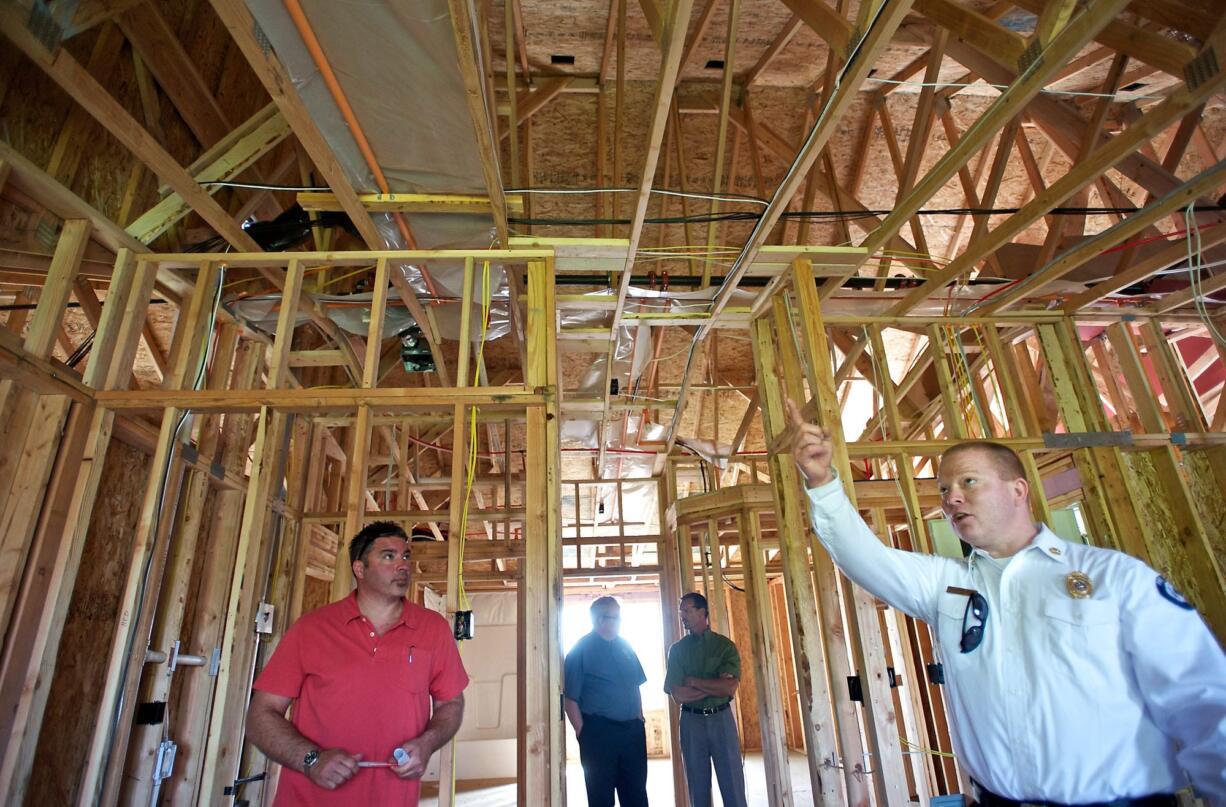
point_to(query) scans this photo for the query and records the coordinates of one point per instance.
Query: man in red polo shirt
(362, 674)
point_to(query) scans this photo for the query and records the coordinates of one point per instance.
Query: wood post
(544, 771)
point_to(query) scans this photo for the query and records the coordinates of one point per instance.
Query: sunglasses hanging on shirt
(976, 615)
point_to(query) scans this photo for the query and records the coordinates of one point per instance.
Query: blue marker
(401, 756)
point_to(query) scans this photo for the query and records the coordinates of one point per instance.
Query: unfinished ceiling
(430, 103)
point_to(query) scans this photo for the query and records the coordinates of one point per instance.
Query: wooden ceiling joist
(1112, 154)
(246, 144)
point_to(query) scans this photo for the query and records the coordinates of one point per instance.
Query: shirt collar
(1045, 542)
(1050, 545)
(352, 612)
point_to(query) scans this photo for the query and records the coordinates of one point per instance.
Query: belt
(602, 718)
(986, 798)
(710, 710)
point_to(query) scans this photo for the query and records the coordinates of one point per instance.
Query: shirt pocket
(414, 665)
(951, 608)
(1083, 636)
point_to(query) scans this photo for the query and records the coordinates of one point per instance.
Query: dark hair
(369, 534)
(697, 600)
(1006, 460)
(602, 602)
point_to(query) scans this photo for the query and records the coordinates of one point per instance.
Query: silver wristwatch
(309, 760)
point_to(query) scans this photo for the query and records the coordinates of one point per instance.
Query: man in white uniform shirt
(1074, 675)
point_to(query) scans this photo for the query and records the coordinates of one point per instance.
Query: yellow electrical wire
(336, 280)
(920, 748)
(462, 593)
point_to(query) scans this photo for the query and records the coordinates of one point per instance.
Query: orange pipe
(294, 7)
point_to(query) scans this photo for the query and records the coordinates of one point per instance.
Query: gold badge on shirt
(1078, 585)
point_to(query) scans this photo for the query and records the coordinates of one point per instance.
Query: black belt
(603, 719)
(710, 710)
(987, 798)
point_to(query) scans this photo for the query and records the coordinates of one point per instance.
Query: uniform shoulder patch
(1170, 594)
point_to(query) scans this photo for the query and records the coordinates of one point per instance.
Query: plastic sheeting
(351, 312)
(397, 64)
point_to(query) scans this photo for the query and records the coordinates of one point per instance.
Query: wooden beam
(695, 39)
(103, 771)
(827, 23)
(721, 137)
(975, 28)
(1090, 247)
(59, 200)
(822, 726)
(1062, 123)
(533, 100)
(776, 47)
(220, 755)
(73, 79)
(140, 770)
(1151, 47)
(267, 67)
(868, 650)
(69, 146)
(87, 14)
(462, 26)
(665, 83)
(259, 135)
(410, 202)
(654, 17)
(542, 712)
(1175, 253)
(324, 400)
(1066, 45)
(877, 38)
(764, 659)
(175, 71)
(1105, 156)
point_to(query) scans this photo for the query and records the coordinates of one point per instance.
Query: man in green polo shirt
(704, 670)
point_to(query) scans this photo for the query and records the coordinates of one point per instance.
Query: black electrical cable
(826, 215)
(32, 306)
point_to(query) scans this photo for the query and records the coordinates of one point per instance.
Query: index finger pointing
(793, 412)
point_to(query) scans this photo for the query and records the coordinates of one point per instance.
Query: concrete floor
(659, 786)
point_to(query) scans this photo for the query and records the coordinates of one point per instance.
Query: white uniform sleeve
(1181, 673)
(908, 581)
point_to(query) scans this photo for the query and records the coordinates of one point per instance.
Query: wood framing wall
(213, 515)
(178, 478)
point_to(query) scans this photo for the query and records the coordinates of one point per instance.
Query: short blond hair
(1008, 463)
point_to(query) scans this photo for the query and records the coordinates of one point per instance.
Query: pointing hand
(812, 447)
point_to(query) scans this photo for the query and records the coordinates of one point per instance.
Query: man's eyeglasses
(976, 609)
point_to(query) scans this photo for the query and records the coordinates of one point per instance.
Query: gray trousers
(708, 740)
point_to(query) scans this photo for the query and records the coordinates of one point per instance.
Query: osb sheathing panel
(33, 109)
(577, 28)
(80, 673)
(1154, 511)
(315, 594)
(747, 691)
(192, 600)
(1210, 499)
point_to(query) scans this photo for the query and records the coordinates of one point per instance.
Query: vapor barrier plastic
(351, 312)
(397, 64)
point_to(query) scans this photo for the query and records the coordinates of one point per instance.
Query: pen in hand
(400, 754)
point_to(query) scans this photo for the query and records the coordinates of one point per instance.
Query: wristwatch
(309, 760)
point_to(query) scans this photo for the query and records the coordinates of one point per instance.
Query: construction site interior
(536, 278)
